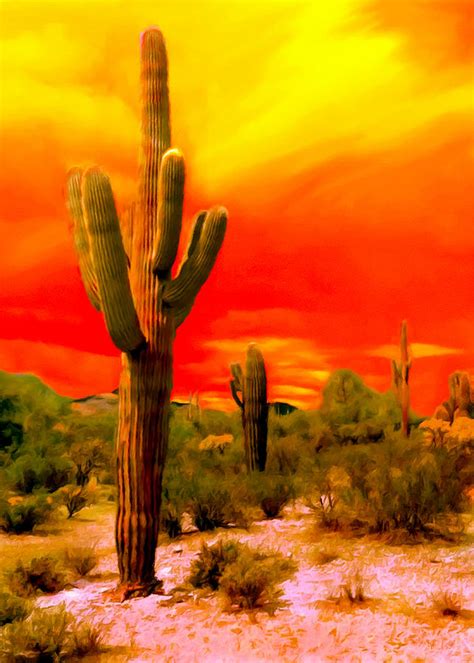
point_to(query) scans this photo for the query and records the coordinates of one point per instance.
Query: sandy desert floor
(398, 622)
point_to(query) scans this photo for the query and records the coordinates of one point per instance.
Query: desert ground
(399, 618)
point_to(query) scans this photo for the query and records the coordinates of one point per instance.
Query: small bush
(81, 559)
(271, 492)
(42, 574)
(24, 514)
(13, 608)
(251, 581)
(75, 498)
(247, 578)
(48, 635)
(207, 569)
(170, 519)
(448, 604)
(212, 507)
(324, 555)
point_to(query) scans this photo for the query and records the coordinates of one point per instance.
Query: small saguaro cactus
(253, 387)
(126, 269)
(461, 398)
(400, 375)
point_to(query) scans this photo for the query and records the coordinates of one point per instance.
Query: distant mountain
(281, 408)
(29, 390)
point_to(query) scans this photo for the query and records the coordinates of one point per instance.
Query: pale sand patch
(398, 625)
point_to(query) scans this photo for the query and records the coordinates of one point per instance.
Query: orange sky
(338, 135)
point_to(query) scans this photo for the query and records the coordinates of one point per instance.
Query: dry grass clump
(13, 608)
(42, 575)
(81, 559)
(49, 634)
(450, 604)
(324, 554)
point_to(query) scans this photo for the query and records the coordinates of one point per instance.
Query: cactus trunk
(142, 442)
(143, 306)
(254, 406)
(400, 376)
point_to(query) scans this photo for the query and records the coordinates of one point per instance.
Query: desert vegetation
(342, 489)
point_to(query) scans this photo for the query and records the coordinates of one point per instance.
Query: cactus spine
(142, 306)
(400, 375)
(254, 406)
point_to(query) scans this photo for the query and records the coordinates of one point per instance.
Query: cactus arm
(110, 262)
(236, 383)
(156, 132)
(170, 210)
(235, 395)
(126, 228)
(74, 201)
(181, 291)
(193, 242)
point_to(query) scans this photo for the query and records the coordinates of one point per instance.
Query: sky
(339, 136)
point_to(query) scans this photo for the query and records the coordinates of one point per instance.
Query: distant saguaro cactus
(400, 375)
(142, 306)
(253, 387)
(461, 398)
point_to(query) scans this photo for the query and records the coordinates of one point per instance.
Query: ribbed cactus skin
(127, 267)
(400, 376)
(253, 387)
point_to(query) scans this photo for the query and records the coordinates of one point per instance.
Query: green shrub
(271, 492)
(247, 578)
(212, 506)
(24, 514)
(13, 608)
(207, 568)
(170, 519)
(34, 471)
(75, 498)
(48, 635)
(81, 559)
(398, 484)
(42, 574)
(251, 581)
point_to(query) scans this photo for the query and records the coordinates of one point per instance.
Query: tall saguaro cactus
(400, 375)
(253, 387)
(143, 306)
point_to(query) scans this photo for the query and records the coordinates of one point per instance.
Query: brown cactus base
(130, 590)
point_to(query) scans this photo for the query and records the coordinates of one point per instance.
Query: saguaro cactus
(254, 406)
(461, 398)
(400, 374)
(142, 306)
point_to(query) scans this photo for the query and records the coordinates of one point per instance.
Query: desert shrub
(353, 589)
(396, 484)
(252, 580)
(13, 608)
(75, 498)
(48, 635)
(324, 554)
(89, 456)
(19, 515)
(33, 471)
(170, 518)
(81, 559)
(271, 492)
(212, 506)
(207, 568)
(248, 578)
(42, 574)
